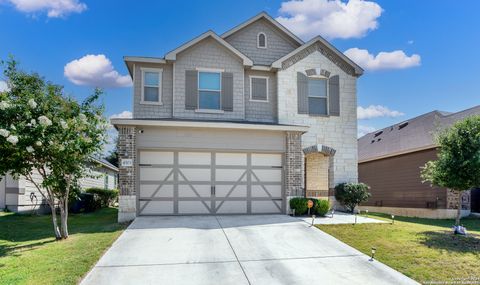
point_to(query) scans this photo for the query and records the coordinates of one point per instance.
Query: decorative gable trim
(326, 49)
(173, 54)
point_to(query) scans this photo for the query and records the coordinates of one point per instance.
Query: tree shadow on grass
(446, 240)
(25, 232)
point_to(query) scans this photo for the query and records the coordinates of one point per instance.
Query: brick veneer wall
(452, 200)
(126, 150)
(293, 165)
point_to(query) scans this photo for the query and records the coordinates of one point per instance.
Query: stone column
(127, 152)
(293, 165)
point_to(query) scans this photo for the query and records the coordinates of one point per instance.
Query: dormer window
(261, 40)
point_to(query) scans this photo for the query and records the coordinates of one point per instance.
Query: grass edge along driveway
(423, 249)
(29, 253)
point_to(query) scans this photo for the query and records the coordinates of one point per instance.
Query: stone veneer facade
(337, 132)
(126, 150)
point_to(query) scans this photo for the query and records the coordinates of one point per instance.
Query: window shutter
(334, 95)
(227, 91)
(302, 93)
(191, 89)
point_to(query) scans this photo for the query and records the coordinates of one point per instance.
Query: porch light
(393, 219)
(373, 253)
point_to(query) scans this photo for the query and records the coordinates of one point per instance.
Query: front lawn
(423, 249)
(29, 253)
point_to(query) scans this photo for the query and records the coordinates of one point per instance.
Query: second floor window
(209, 90)
(317, 96)
(152, 86)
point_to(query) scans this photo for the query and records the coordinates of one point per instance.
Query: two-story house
(237, 123)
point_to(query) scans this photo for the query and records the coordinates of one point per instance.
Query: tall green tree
(44, 131)
(457, 166)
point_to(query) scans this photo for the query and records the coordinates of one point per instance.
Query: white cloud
(95, 70)
(54, 8)
(3, 86)
(383, 60)
(376, 111)
(122, 115)
(410, 42)
(363, 130)
(330, 19)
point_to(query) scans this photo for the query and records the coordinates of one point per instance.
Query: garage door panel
(193, 207)
(156, 157)
(156, 174)
(156, 191)
(275, 191)
(156, 207)
(263, 207)
(232, 207)
(187, 191)
(194, 174)
(238, 190)
(237, 159)
(266, 159)
(194, 158)
(243, 182)
(227, 175)
(267, 175)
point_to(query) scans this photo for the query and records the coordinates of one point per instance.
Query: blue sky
(435, 67)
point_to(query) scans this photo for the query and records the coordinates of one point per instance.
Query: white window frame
(320, 77)
(261, 77)
(258, 40)
(209, 70)
(160, 84)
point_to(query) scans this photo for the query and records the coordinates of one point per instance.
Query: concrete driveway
(272, 249)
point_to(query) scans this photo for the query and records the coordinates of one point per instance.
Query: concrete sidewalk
(270, 249)
(341, 218)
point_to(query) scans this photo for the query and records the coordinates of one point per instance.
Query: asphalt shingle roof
(419, 133)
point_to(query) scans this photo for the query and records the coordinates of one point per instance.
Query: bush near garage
(321, 207)
(300, 205)
(105, 197)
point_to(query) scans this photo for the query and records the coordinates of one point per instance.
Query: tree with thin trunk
(457, 166)
(44, 132)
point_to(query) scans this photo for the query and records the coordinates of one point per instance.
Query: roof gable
(267, 17)
(319, 44)
(173, 54)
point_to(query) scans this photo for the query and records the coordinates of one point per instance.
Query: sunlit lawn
(29, 253)
(423, 249)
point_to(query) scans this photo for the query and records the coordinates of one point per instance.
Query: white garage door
(185, 182)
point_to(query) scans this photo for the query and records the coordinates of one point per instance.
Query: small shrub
(351, 194)
(104, 196)
(322, 207)
(299, 204)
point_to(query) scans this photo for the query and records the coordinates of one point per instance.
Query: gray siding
(261, 111)
(208, 54)
(216, 139)
(144, 111)
(245, 40)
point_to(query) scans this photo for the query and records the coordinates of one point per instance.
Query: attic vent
(402, 125)
(378, 133)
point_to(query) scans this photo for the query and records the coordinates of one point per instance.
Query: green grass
(423, 249)
(29, 253)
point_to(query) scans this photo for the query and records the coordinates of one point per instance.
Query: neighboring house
(20, 195)
(234, 123)
(390, 161)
